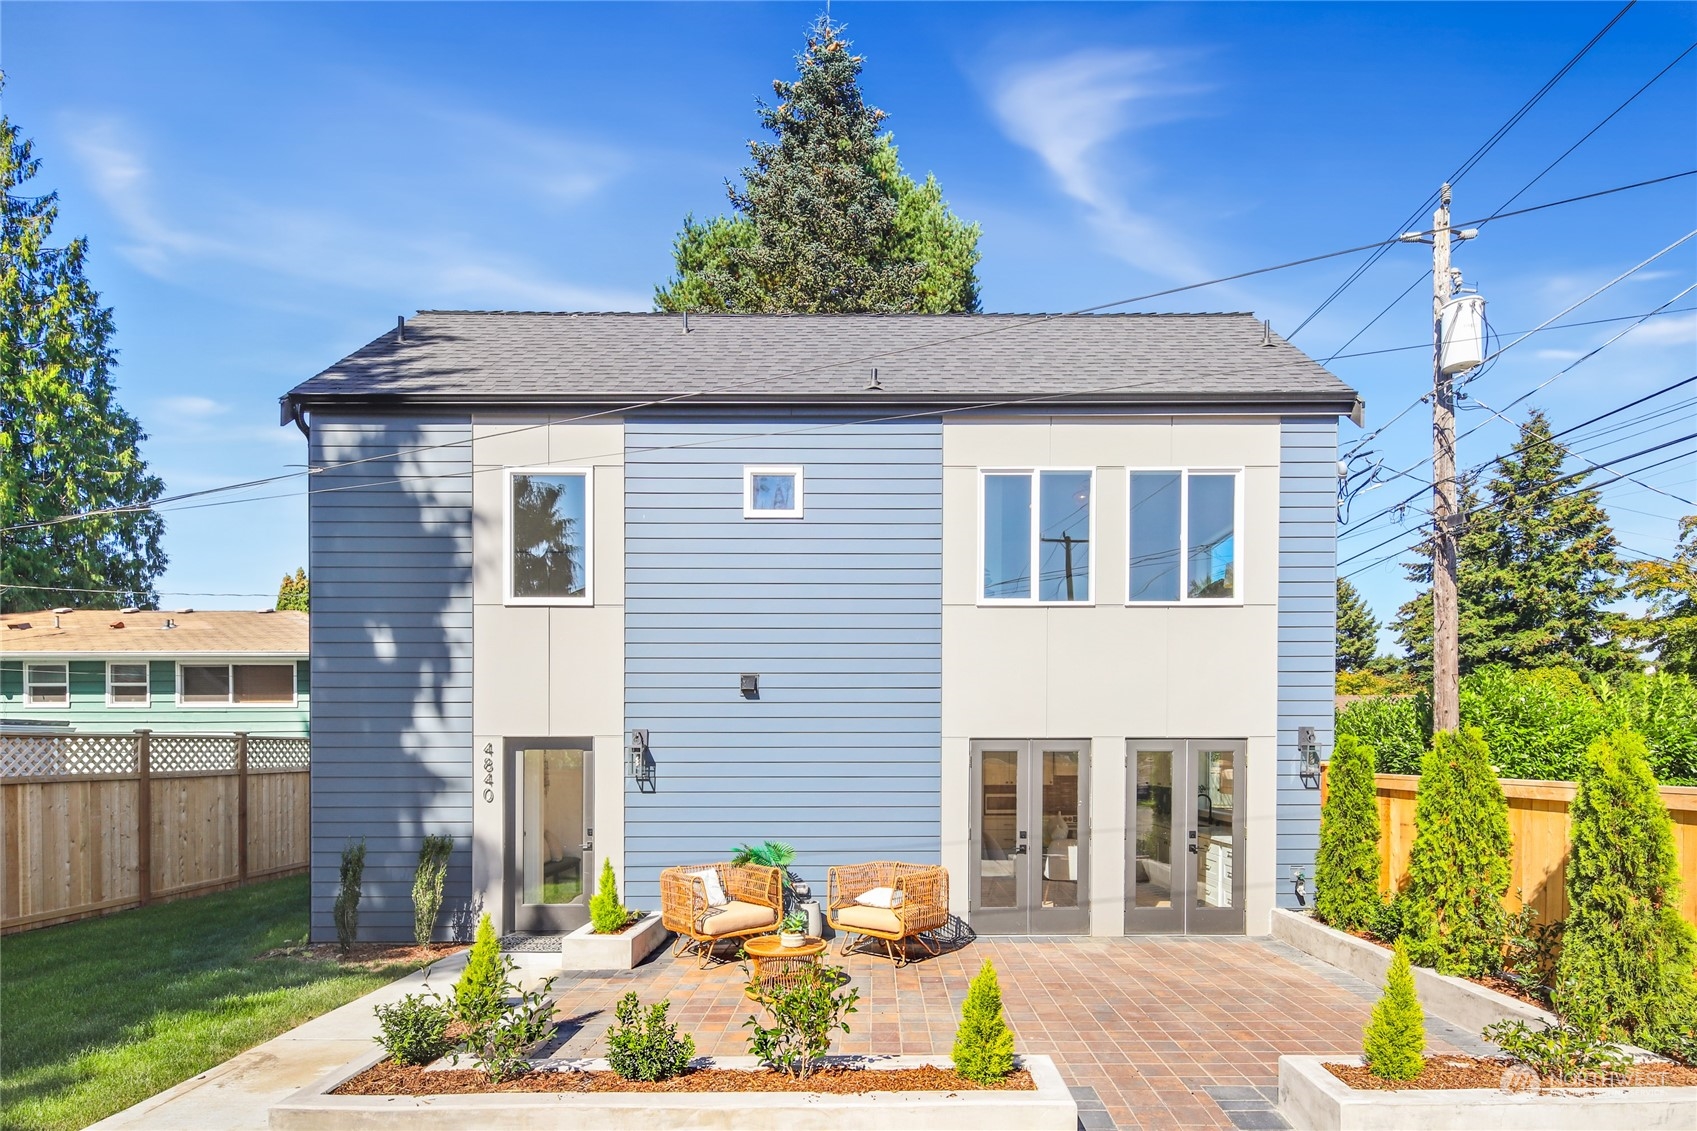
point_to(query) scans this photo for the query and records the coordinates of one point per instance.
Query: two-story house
(1046, 600)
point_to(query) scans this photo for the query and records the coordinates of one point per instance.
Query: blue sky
(267, 186)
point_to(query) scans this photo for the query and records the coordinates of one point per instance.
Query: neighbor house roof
(100, 632)
(470, 359)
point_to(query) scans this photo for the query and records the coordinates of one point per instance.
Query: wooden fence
(95, 823)
(1538, 823)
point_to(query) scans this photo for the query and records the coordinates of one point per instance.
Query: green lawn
(98, 1015)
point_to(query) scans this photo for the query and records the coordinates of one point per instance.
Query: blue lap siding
(839, 613)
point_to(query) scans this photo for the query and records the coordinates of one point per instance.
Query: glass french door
(1030, 801)
(1185, 833)
(551, 837)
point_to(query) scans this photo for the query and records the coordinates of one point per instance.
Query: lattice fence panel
(193, 753)
(64, 755)
(269, 753)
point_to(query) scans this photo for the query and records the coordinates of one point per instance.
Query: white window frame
(1184, 598)
(29, 688)
(588, 598)
(230, 703)
(1034, 601)
(146, 685)
(748, 508)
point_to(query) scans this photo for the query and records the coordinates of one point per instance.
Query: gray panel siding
(1307, 628)
(391, 661)
(839, 613)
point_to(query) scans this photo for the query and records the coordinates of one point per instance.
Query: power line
(1426, 345)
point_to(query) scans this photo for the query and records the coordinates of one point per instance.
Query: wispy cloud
(1068, 109)
(1666, 330)
(194, 408)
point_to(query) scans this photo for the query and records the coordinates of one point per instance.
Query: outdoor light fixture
(639, 763)
(750, 686)
(1309, 747)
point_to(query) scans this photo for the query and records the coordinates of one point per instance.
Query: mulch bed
(1498, 982)
(1487, 1072)
(390, 1079)
(368, 955)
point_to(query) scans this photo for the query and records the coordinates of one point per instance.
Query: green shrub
(983, 1051)
(427, 884)
(1397, 727)
(498, 1042)
(1627, 957)
(1396, 1033)
(480, 993)
(1387, 923)
(805, 1013)
(647, 1048)
(1662, 708)
(1458, 869)
(1555, 1052)
(346, 908)
(1532, 949)
(606, 913)
(1346, 871)
(414, 1030)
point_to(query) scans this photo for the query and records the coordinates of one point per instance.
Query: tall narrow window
(126, 684)
(1036, 536)
(47, 685)
(548, 537)
(1183, 536)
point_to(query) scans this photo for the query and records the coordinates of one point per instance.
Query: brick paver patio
(1152, 1032)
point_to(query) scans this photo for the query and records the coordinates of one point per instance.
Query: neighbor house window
(126, 684)
(1036, 544)
(771, 492)
(47, 685)
(548, 552)
(222, 684)
(1183, 536)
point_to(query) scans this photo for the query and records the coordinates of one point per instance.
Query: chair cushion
(858, 918)
(737, 916)
(709, 878)
(880, 897)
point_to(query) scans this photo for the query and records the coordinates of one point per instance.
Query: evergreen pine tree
(66, 446)
(605, 911)
(983, 1051)
(294, 593)
(478, 993)
(1396, 1033)
(826, 221)
(1627, 956)
(1358, 631)
(1458, 870)
(1669, 588)
(1346, 871)
(1536, 569)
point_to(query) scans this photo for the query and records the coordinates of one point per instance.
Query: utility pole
(1446, 639)
(1067, 542)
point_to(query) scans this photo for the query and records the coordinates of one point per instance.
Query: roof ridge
(846, 315)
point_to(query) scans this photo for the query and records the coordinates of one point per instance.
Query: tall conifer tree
(65, 444)
(1358, 631)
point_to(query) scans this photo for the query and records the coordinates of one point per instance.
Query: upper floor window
(1036, 528)
(222, 684)
(126, 684)
(47, 685)
(771, 492)
(548, 528)
(1183, 536)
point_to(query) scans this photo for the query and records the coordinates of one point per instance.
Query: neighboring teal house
(182, 672)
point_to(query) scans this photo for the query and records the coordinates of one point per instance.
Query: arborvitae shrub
(1458, 870)
(1346, 871)
(983, 1050)
(427, 884)
(346, 908)
(480, 994)
(1396, 1034)
(1627, 956)
(606, 913)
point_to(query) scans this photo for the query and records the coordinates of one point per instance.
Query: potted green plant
(794, 930)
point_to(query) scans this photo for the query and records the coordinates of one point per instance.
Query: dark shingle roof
(469, 359)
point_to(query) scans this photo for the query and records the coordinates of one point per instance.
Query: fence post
(144, 813)
(241, 806)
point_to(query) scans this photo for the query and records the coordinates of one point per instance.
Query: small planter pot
(792, 938)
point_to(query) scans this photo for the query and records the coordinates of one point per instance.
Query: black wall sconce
(750, 686)
(1308, 746)
(639, 763)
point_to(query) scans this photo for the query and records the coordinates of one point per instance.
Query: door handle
(1021, 849)
(587, 845)
(1193, 848)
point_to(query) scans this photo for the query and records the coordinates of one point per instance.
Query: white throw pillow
(550, 852)
(709, 878)
(880, 897)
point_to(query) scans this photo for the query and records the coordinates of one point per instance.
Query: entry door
(1183, 872)
(550, 833)
(1030, 801)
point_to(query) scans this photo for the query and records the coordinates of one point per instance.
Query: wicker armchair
(756, 897)
(923, 906)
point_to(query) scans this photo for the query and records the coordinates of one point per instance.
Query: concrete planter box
(1456, 1000)
(1049, 1108)
(583, 949)
(1311, 1097)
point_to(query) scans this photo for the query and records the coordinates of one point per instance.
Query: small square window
(771, 492)
(126, 685)
(47, 685)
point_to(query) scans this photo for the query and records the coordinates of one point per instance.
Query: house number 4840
(489, 772)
